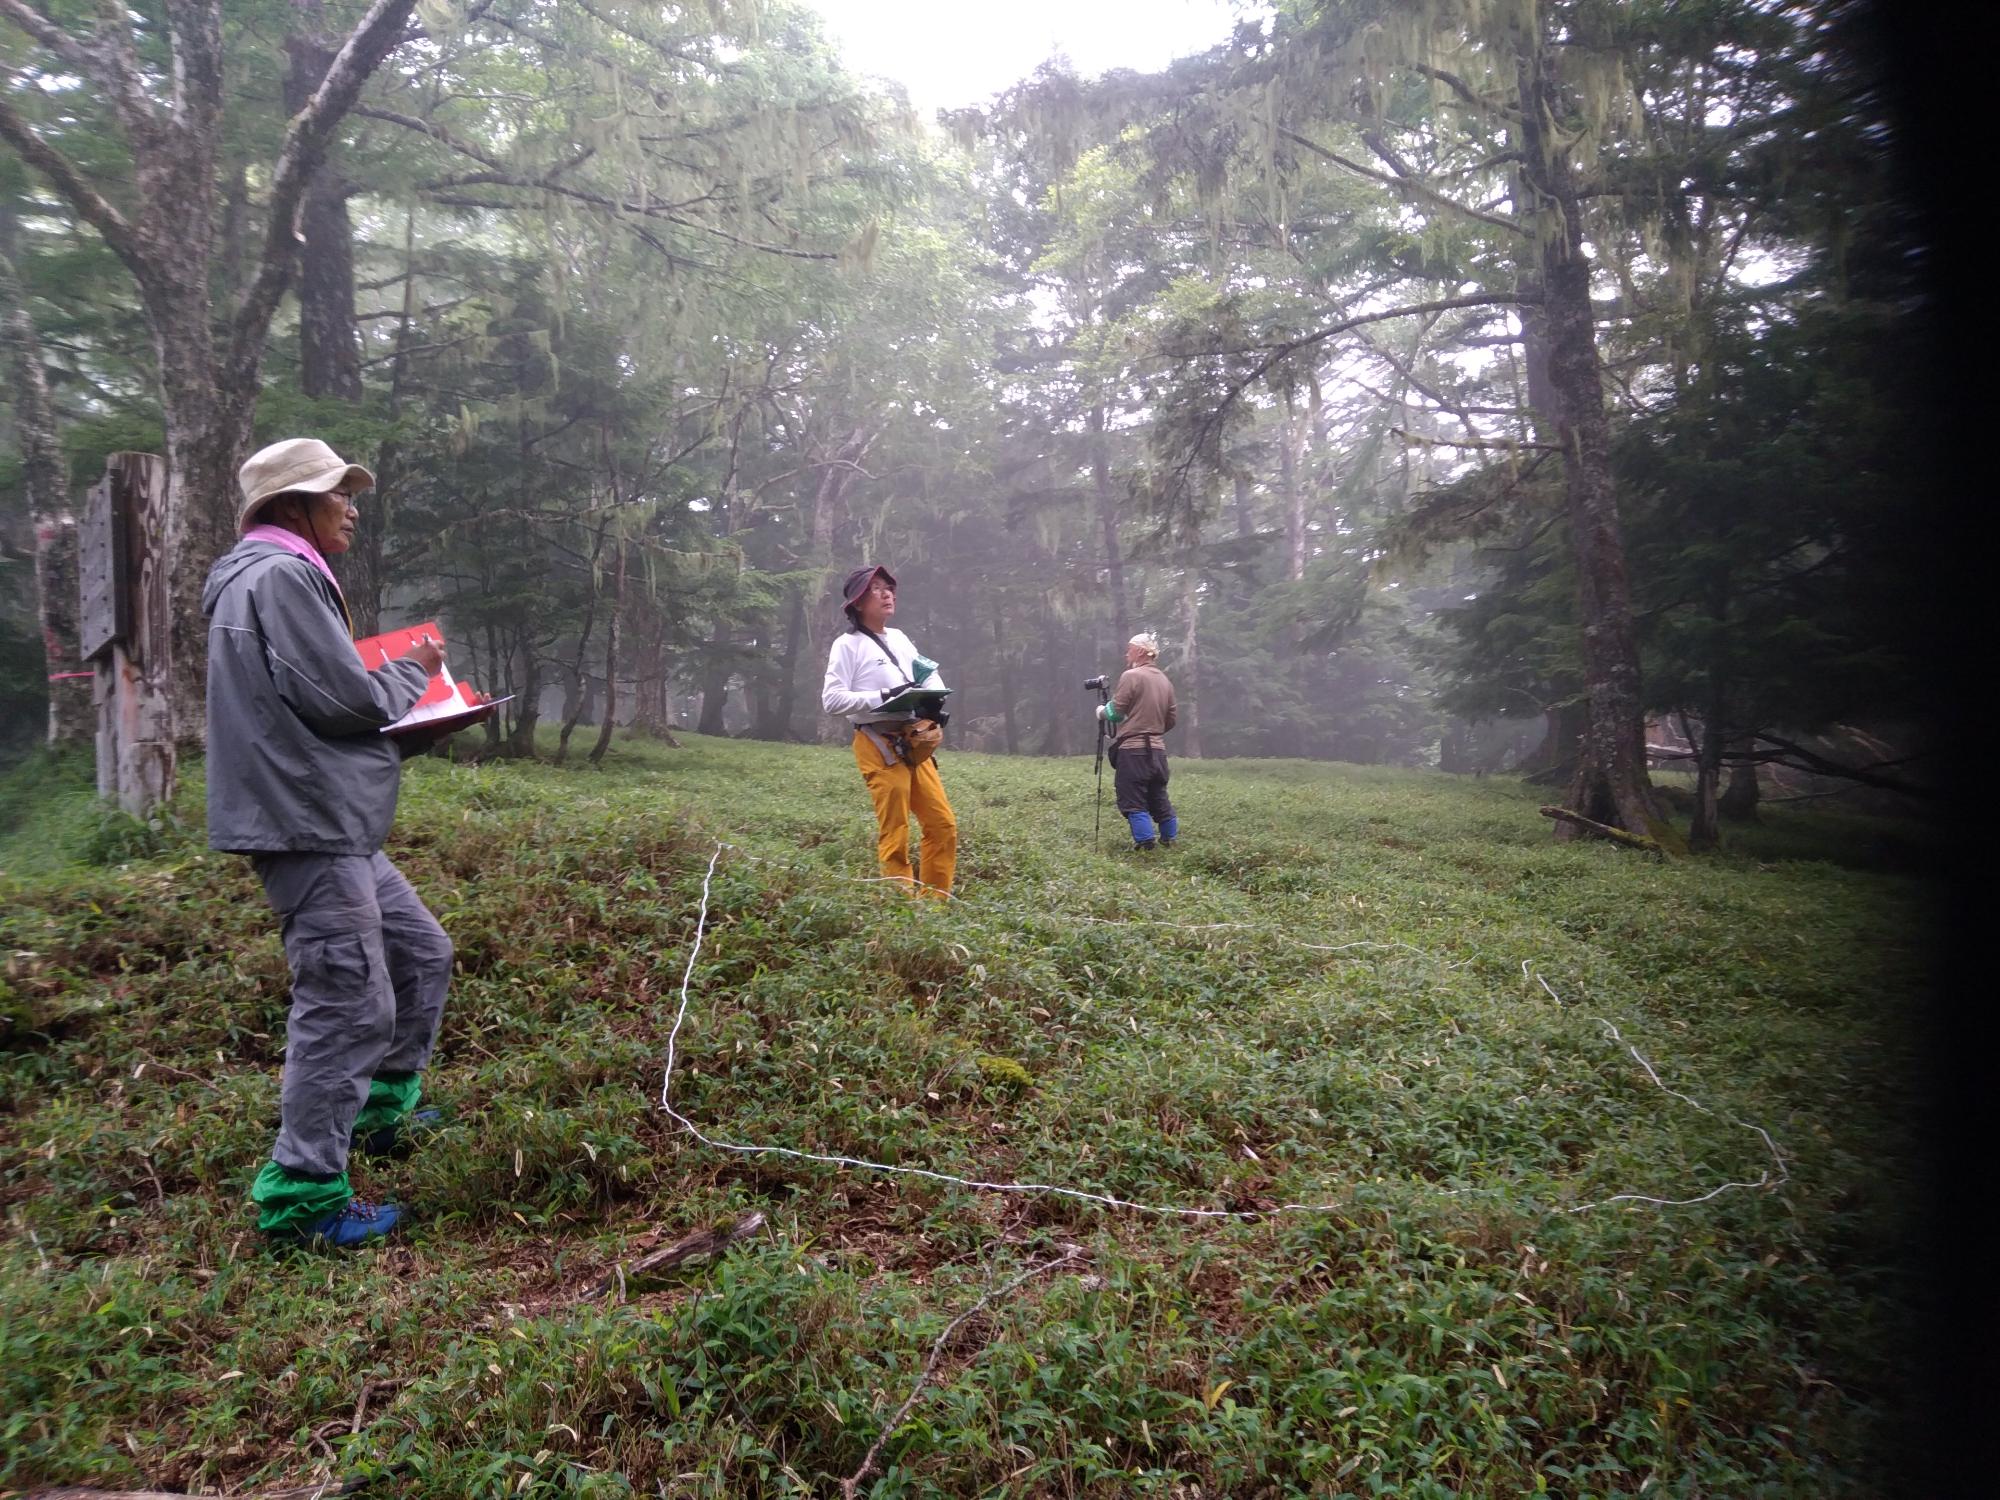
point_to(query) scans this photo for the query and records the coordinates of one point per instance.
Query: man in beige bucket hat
(302, 779)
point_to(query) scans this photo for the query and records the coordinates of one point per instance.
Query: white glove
(1101, 709)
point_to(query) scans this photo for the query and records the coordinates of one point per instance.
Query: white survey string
(745, 1148)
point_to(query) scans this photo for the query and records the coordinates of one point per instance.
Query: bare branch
(432, 129)
(623, 207)
(63, 176)
(1212, 423)
(1466, 92)
(1503, 444)
(1406, 184)
(75, 55)
(121, 69)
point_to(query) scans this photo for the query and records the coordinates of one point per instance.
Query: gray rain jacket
(297, 761)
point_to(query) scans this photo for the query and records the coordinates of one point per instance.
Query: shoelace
(358, 1208)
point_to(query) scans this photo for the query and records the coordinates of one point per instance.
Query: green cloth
(289, 1203)
(292, 1204)
(391, 1096)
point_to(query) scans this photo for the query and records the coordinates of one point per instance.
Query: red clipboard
(447, 705)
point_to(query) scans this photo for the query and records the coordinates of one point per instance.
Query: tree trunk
(578, 673)
(611, 664)
(780, 704)
(329, 334)
(44, 484)
(715, 690)
(1188, 694)
(1610, 785)
(528, 699)
(1291, 456)
(72, 718)
(1738, 802)
(166, 239)
(1055, 741)
(1703, 835)
(371, 537)
(650, 709)
(1554, 761)
(1245, 524)
(1107, 519)
(836, 473)
(1006, 661)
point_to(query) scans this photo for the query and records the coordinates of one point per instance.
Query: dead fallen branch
(851, 1486)
(1603, 830)
(702, 1242)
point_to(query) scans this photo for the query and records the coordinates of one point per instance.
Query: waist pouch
(912, 743)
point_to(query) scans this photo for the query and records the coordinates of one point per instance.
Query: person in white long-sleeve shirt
(872, 662)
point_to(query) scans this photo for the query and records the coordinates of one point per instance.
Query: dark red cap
(858, 581)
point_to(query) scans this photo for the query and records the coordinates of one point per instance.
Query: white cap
(1147, 642)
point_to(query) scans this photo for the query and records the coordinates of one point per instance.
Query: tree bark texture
(528, 697)
(1188, 690)
(1107, 519)
(72, 717)
(611, 664)
(715, 690)
(44, 482)
(329, 335)
(579, 672)
(1610, 785)
(836, 476)
(1009, 717)
(1738, 802)
(652, 702)
(1704, 836)
(779, 707)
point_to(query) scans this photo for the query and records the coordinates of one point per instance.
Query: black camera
(1094, 685)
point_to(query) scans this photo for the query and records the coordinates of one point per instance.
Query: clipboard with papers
(447, 705)
(914, 699)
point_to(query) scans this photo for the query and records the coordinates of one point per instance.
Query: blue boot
(1170, 829)
(356, 1224)
(1144, 834)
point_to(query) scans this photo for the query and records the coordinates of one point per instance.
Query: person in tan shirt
(1140, 713)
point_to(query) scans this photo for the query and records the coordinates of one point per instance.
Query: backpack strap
(888, 653)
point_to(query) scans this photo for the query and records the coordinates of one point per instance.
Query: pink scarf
(291, 541)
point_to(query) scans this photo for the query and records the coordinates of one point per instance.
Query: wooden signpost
(125, 629)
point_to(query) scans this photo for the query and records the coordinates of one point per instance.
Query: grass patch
(1342, 1018)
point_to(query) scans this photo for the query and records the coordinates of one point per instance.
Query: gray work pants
(369, 970)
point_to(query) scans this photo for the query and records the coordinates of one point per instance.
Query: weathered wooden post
(126, 630)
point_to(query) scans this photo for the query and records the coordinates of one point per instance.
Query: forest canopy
(1482, 384)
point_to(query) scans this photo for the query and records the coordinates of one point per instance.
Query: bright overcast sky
(951, 53)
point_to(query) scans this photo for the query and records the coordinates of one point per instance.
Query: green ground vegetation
(1447, 1325)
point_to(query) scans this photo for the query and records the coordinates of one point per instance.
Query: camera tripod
(1103, 697)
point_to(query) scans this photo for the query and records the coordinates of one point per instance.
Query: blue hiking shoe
(401, 1137)
(356, 1224)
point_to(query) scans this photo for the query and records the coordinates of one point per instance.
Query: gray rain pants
(370, 965)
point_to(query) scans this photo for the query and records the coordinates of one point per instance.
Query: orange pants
(897, 791)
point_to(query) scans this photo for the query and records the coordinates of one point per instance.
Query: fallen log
(1604, 830)
(703, 1242)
